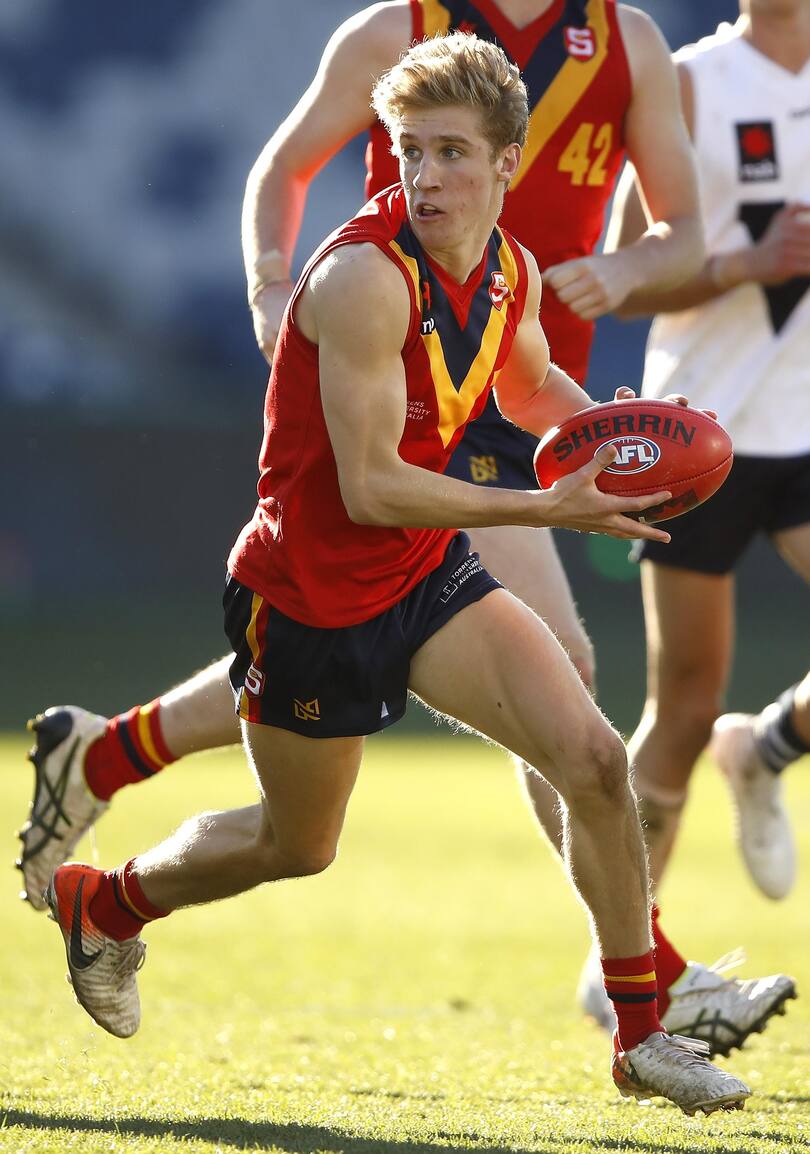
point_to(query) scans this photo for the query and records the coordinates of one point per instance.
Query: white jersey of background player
(744, 354)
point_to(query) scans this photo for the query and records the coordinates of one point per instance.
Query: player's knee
(305, 861)
(690, 715)
(601, 774)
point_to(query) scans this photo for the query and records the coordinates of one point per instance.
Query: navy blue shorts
(342, 682)
(760, 495)
(495, 453)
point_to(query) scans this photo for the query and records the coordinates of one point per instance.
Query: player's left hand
(591, 286)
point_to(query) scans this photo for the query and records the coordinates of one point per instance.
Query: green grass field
(419, 996)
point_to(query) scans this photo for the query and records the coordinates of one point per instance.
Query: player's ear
(509, 162)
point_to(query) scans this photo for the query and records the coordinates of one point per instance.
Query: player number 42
(586, 154)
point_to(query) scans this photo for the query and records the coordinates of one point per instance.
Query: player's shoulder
(645, 45)
(533, 279)
(358, 281)
(380, 31)
(707, 48)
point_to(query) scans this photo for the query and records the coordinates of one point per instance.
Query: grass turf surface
(419, 996)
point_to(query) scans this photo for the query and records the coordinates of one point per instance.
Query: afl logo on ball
(635, 454)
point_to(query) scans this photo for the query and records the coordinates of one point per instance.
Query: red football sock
(119, 907)
(630, 984)
(132, 749)
(669, 965)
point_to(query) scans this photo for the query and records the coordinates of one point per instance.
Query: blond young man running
(401, 324)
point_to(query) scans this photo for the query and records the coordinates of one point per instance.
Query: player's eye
(409, 152)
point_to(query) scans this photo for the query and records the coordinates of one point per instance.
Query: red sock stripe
(131, 749)
(630, 979)
(133, 895)
(151, 712)
(631, 986)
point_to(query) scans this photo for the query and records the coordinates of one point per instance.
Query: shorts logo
(307, 710)
(635, 454)
(465, 571)
(756, 144)
(580, 42)
(483, 469)
(254, 681)
(499, 290)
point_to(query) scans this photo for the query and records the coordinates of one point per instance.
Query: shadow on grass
(299, 1139)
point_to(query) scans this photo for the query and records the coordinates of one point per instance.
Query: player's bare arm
(669, 247)
(356, 308)
(334, 108)
(781, 253)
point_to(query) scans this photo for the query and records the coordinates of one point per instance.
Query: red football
(661, 445)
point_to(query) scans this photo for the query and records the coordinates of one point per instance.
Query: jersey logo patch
(483, 469)
(580, 42)
(307, 710)
(499, 290)
(756, 144)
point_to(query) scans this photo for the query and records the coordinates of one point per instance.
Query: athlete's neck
(457, 263)
(521, 13)
(783, 36)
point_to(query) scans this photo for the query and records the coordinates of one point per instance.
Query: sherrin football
(660, 445)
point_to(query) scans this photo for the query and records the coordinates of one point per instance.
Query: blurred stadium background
(130, 386)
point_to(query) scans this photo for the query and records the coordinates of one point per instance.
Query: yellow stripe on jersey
(412, 267)
(570, 83)
(455, 406)
(436, 18)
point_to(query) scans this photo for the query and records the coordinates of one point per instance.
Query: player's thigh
(305, 784)
(794, 545)
(689, 623)
(526, 561)
(497, 667)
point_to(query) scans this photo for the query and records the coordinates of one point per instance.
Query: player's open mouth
(427, 212)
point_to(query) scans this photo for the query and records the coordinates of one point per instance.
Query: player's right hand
(578, 504)
(783, 252)
(268, 308)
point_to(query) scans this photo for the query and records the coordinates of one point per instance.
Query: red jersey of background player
(573, 62)
(301, 551)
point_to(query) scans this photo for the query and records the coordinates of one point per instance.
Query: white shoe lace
(695, 1052)
(130, 959)
(730, 961)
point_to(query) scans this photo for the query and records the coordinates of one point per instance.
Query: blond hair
(458, 69)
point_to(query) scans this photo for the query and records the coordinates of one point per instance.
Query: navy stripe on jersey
(460, 345)
(549, 55)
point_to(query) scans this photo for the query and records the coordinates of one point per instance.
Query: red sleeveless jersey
(301, 551)
(574, 65)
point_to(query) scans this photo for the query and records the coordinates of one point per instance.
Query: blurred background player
(752, 751)
(600, 82)
(735, 338)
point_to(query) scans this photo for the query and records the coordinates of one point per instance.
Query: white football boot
(724, 1012)
(101, 970)
(704, 1005)
(763, 829)
(667, 1066)
(63, 809)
